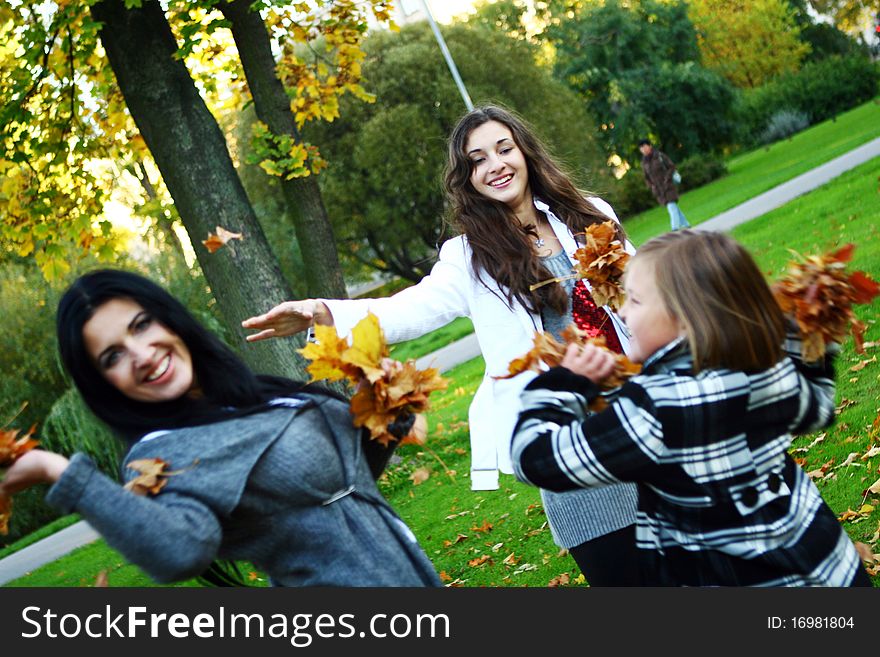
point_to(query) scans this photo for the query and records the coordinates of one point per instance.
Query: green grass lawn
(456, 329)
(500, 538)
(757, 171)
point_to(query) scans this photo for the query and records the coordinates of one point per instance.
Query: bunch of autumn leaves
(816, 291)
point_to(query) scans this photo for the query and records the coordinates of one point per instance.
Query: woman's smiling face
(137, 354)
(498, 166)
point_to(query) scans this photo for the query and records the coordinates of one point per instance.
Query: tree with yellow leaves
(83, 81)
(748, 41)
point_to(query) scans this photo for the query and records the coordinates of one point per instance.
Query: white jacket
(504, 332)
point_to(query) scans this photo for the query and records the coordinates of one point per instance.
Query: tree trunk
(191, 153)
(302, 195)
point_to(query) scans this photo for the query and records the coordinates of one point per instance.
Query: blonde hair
(711, 284)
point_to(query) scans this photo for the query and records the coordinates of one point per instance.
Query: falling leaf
(561, 580)
(220, 238)
(420, 476)
(386, 390)
(819, 294)
(152, 478)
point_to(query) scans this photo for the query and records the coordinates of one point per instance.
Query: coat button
(749, 496)
(774, 482)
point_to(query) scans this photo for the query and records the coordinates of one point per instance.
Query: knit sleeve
(559, 445)
(170, 536)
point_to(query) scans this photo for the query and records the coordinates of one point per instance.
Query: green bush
(819, 90)
(71, 427)
(784, 123)
(699, 170)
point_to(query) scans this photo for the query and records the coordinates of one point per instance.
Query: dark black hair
(645, 142)
(225, 380)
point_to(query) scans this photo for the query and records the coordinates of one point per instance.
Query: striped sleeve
(815, 387)
(559, 445)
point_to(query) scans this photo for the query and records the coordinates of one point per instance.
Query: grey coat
(287, 489)
(658, 170)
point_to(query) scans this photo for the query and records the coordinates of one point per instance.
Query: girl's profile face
(650, 324)
(137, 354)
(498, 166)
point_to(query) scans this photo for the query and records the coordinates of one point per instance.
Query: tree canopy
(383, 183)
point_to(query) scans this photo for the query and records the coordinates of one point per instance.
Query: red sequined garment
(589, 317)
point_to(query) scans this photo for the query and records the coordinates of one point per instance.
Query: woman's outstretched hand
(288, 318)
(35, 467)
(590, 361)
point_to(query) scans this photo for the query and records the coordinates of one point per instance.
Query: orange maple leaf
(152, 478)
(602, 260)
(819, 293)
(546, 350)
(11, 448)
(385, 389)
(220, 238)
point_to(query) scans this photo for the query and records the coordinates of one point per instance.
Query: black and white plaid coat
(720, 500)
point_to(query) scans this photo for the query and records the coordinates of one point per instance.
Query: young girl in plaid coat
(703, 430)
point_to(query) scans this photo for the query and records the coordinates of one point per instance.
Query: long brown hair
(710, 283)
(501, 246)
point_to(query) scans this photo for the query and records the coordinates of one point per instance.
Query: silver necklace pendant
(539, 242)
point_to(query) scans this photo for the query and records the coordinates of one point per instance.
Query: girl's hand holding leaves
(11, 449)
(547, 351)
(819, 293)
(385, 389)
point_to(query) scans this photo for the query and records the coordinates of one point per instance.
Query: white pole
(448, 56)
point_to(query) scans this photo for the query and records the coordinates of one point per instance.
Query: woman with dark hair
(518, 214)
(261, 468)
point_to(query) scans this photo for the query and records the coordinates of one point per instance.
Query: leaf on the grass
(872, 452)
(101, 581)
(875, 488)
(485, 527)
(420, 476)
(602, 260)
(11, 448)
(479, 561)
(385, 389)
(867, 553)
(458, 539)
(220, 238)
(444, 577)
(819, 293)
(549, 351)
(861, 364)
(560, 580)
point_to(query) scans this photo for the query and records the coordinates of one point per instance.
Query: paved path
(59, 544)
(782, 194)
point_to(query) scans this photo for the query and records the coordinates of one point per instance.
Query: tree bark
(302, 195)
(191, 152)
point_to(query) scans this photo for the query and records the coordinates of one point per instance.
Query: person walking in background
(660, 176)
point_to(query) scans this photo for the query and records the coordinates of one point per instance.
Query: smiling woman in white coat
(517, 213)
